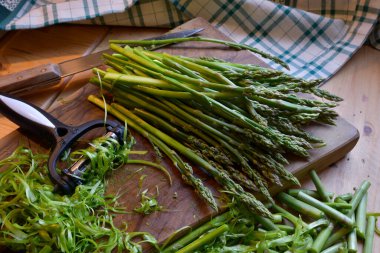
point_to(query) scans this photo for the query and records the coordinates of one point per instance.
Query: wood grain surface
(20, 81)
(182, 205)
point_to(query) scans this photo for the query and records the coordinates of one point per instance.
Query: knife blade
(49, 74)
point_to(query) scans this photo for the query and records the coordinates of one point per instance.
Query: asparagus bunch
(236, 121)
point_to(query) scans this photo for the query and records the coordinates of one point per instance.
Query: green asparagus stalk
(300, 206)
(287, 215)
(277, 218)
(312, 193)
(209, 236)
(359, 194)
(339, 205)
(183, 69)
(266, 223)
(352, 241)
(361, 217)
(195, 234)
(321, 239)
(178, 40)
(161, 124)
(284, 125)
(136, 80)
(369, 234)
(238, 176)
(215, 76)
(335, 248)
(345, 197)
(339, 200)
(337, 236)
(320, 187)
(288, 229)
(266, 235)
(342, 249)
(329, 211)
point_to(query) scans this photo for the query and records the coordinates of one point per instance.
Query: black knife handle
(30, 78)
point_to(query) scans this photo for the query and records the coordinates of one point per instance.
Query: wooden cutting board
(181, 205)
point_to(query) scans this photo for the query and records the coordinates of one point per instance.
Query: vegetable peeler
(58, 136)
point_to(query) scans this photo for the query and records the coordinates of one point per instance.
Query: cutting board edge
(328, 159)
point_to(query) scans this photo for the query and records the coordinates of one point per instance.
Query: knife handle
(30, 78)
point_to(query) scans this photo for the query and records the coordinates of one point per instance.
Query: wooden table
(358, 83)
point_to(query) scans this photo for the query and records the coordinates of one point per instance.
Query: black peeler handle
(33, 120)
(48, 130)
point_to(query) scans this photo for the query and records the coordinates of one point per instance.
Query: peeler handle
(35, 121)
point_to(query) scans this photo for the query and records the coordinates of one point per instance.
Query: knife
(49, 74)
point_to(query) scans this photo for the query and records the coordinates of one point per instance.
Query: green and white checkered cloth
(314, 37)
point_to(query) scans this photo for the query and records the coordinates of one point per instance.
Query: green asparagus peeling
(35, 219)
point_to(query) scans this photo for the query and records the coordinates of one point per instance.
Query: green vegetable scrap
(236, 121)
(239, 231)
(35, 219)
(148, 204)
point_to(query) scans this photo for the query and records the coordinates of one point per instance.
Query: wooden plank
(182, 206)
(358, 83)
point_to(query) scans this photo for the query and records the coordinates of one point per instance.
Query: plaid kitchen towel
(315, 37)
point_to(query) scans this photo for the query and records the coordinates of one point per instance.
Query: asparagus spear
(178, 40)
